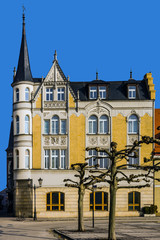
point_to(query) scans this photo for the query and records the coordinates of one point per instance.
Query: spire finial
(14, 72)
(23, 19)
(131, 73)
(97, 75)
(55, 55)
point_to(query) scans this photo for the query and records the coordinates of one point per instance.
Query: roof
(116, 90)
(23, 69)
(10, 143)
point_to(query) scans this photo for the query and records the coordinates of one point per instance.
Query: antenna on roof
(131, 73)
(97, 75)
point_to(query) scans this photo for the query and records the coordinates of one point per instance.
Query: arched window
(17, 95)
(17, 159)
(55, 201)
(17, 124)
(99, 200)
(55, 124)
(103, 124)
(27, 158)
(26, 124)
(27, 94)
(92, 121)
(133, 124)
(134, 201)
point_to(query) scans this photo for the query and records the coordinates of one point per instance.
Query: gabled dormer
(132, 88)
(97, 89)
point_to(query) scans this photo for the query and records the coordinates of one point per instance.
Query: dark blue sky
(108, 36)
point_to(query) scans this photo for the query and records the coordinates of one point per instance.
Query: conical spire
(23, 69)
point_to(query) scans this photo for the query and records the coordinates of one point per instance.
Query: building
(54, 120)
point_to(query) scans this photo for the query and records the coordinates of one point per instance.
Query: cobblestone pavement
(126, 229)
(132, 228)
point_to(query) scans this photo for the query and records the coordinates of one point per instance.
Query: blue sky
(89, 35)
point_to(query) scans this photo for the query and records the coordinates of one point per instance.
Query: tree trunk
(113, 190)
(111, 230)
(80, 209)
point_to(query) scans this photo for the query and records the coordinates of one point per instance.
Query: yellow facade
(77, 139)
(146, 130)
(119, 133)
(38, 102)
(71, 101)
(36, 142)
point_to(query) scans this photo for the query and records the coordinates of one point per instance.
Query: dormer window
(102, 92)
(93, 92)
(131, 92)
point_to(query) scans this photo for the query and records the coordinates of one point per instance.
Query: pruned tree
(115, 174)
(82, 184)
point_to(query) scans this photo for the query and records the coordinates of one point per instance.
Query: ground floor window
(134, 201)
(99, 200)
(55, 201)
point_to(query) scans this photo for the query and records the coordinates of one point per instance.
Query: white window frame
(45, 128)
(49, 94)
(131, 123)
(17, 95)
(55, 158)
(46, 158)
(17, 125)
(17, 158)
(27, 124)
(60, 94)
(132, 92)
(102, 161)
(133, 160)
(62, 159)
(102, 92)
(92, 154)
(63, 127)
(27, 158)
(93, 123)
(93, 92)
(55, 124)
(27, 94)
(102, 123)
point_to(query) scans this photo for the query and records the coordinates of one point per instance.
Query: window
(103, 124)
(131, 92)
(55, 125)
(17, 124)
(63, 159)
(63, 126)
(27, 159)
(133, 124)
(46, 158)
(27, 94)
(93, 92)
(102, 92)
(134, 201)
(93, 160)
(26, 124)
(55, 159)
(60, 94)
(104, 161)
(17, 95)
(46, 126)
(55, 201)
(17, 159)
(49, 94)
(92, 124)
(133, 160)
(99, 202)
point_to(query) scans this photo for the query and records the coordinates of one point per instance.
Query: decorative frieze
(98, 140)
(55, 104)
(55, 140)
(104, 140)
(132, 138)
(93, 140)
